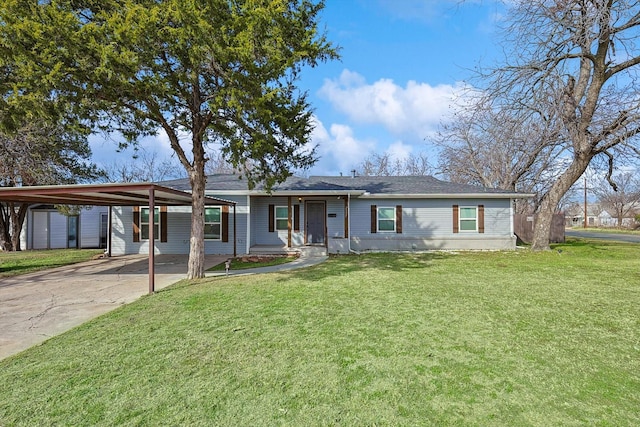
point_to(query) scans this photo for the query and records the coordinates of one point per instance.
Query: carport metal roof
(121, 194)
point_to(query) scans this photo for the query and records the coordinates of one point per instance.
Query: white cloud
(339, 150)
(105, 147)
(414, 110)
(399, 150)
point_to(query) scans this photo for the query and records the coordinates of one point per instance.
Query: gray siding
(428, 224)
(178, 232)
(260, 234)
(335, 225)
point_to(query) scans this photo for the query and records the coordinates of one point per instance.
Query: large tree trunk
(5, 235)
(11, 222)
(17, 220)
(550, 201)
(196, 248)
(198, 181)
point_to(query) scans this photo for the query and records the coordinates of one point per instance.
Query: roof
(359, 186)
(127, 194)
(407, 186)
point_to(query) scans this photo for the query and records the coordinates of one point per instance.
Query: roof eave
(449, 196)
(302, 193)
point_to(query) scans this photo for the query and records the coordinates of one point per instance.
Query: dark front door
(315, 222)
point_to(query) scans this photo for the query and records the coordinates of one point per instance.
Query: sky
(403, 62)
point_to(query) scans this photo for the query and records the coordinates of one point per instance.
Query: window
(213, 223)
(144, 223)
(141, 223)
(468, 218)
(387, 219)
(282, 218)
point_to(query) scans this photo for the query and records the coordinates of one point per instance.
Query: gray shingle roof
(405, 185)
(383, 185)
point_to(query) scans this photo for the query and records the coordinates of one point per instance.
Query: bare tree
(575, 61)
(624, 200)
(217, 164)
(39, 153)
(144, 167)
(491, 144)
(387, 165)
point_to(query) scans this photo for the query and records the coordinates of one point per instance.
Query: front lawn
(21, 262)
(478, 339)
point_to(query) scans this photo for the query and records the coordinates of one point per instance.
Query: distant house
(341, 214)
(598, 216)
(46, 228)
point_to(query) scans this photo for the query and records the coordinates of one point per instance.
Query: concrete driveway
(36, 306)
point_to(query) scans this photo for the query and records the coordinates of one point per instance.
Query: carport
(122, 194)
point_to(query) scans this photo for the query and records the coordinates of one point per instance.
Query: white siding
(90, 226)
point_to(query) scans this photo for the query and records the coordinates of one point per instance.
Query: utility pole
(585, 202)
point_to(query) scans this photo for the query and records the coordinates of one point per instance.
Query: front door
(315, 222)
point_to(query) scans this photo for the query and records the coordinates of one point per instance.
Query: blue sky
(403, 61)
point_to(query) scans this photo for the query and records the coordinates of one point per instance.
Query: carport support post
(235, 252)
(152, 241)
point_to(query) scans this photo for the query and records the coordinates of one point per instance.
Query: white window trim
(395, 226)
(276, 218)
(220, 222)
(461, 220)
(156, 236)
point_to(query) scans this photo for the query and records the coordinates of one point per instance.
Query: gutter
(448, 196)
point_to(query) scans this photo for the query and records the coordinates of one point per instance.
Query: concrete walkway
(37, 306)
(305, 260)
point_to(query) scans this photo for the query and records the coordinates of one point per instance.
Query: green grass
(241, 263)
(15, 263)
(469, 339)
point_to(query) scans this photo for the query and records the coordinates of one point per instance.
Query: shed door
(315, 222)
(40, 230)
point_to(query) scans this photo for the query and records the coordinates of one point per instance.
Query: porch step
(273, 250)
(313, 251)
(309, 251)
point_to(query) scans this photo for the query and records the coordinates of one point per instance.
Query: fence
(524, 224)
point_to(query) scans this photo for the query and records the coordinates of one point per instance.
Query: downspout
(247, 244)
(349, 234)
(235, 235)
(511, 205)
